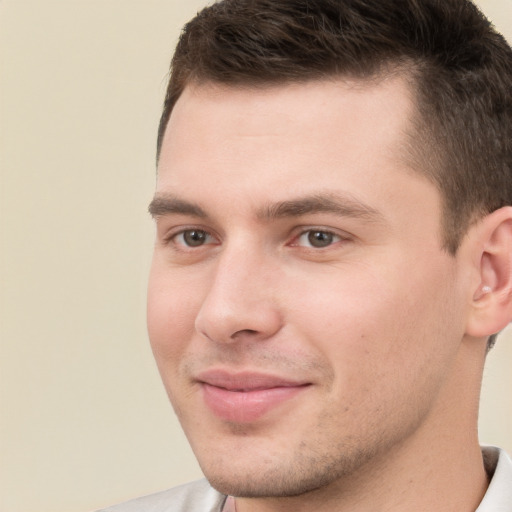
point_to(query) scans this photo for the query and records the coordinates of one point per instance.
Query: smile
(246, 397)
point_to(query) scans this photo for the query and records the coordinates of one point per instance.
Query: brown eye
(320, 238)
(317, 238)
(194, 237)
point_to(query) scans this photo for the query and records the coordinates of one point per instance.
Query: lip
(245, 397)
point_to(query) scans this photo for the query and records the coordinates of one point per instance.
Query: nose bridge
(240, 301)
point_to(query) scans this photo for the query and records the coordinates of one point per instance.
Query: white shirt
(498, 497)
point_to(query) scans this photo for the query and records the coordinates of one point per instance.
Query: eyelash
(171, 239)
(332, 238)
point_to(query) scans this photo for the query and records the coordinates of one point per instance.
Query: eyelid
(303, 230)
(171, 235)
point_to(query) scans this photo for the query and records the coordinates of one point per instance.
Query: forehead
(226, 143)
(288, 108)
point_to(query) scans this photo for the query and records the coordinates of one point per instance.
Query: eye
(317, 238)
(193, 238)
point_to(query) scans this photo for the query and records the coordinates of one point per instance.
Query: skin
(379, 321)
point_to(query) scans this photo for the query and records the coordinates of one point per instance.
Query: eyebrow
(341, 205)
(168, 205)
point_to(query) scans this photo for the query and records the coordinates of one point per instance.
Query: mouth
(246, 397)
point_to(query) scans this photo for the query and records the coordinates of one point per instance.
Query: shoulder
(196, 496)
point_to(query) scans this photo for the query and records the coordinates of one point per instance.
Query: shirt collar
(498, 497)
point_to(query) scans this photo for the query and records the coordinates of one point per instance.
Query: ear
(491, 303)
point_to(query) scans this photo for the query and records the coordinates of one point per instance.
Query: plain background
(84, 419)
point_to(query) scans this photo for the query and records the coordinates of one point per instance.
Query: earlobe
(491, 306)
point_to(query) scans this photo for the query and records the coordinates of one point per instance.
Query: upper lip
(246, 380)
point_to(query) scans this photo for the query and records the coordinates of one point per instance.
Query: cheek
(383, 347)
(375, 323)
(346, 307)
(171, 313)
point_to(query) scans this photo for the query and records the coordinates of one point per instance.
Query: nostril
(245, 332)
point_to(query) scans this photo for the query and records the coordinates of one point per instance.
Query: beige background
(84, 419)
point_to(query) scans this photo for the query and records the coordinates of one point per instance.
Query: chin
(267, 478)
(263, 486)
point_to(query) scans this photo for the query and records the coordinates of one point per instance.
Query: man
(334, 254)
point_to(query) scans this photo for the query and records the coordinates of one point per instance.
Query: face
(302, 313)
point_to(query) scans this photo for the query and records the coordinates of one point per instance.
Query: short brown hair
(461, 69)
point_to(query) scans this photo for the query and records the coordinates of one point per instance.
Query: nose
(241, 302)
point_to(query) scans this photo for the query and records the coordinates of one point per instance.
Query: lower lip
(246, 406)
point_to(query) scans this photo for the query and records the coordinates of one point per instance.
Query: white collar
(498, 497)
